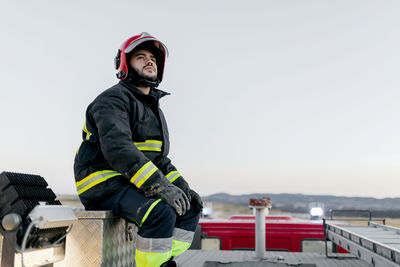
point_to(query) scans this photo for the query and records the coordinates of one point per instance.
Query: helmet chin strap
(138, 80)
(145, 82)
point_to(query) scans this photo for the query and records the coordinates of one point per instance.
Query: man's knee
(189, 220)
(160, 222)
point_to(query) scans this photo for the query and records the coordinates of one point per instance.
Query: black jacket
(125, 132)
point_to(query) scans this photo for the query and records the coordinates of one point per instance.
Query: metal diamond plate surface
(100, 241)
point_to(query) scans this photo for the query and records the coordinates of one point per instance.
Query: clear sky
(266, 96)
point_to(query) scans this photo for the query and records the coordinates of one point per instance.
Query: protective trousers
(162, 233)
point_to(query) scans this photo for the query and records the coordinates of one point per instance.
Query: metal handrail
(351, 211)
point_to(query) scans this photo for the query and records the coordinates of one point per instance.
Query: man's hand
(175, 198)
(196, 201)
(191, 194)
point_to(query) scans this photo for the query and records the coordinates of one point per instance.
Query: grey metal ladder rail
(364, 246)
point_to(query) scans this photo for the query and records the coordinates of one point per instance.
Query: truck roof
(247, 258)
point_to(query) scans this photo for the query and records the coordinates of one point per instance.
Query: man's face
(144, 63)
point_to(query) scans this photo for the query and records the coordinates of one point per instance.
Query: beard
(143, 75)
(139, 78)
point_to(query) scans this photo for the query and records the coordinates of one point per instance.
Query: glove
(168, 192)
(196, 200)
(193, 197)
(176, 198)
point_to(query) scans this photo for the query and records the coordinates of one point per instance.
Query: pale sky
(266, 96)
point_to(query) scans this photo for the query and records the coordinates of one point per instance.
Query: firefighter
(122, 164)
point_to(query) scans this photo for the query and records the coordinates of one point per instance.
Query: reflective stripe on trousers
(151, 252)
(182, 239)
(156, 251)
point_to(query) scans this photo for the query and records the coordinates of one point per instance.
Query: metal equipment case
(100, 238)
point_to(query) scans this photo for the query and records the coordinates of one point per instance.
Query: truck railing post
(261, 207)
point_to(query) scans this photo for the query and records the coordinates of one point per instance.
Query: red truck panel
(280, 235)
(252, 217)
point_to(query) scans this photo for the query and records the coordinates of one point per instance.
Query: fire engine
(283, 233)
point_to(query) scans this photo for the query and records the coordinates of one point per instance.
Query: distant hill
(387, 207)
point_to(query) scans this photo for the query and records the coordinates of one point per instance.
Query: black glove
(168, 192)
(194, 198)
(176, 198)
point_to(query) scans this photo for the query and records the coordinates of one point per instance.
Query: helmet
(142, 41)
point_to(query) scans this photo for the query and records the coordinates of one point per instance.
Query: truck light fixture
(316, 212)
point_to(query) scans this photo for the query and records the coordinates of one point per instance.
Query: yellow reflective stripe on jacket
(94, 179)
(143, 174)
(149, 145)
(172, 176)
(77, 151)
(88, 134)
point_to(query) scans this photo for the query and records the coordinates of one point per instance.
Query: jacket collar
(157, 93)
